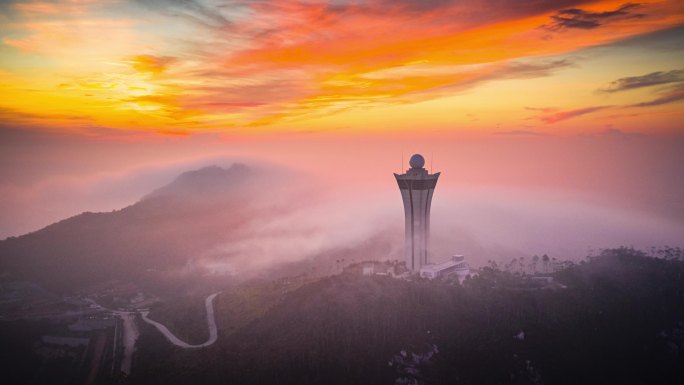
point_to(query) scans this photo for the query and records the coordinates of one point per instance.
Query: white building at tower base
(456, 266)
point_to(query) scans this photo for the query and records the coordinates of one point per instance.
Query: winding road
(211, 323)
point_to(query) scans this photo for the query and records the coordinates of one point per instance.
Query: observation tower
(417, 186)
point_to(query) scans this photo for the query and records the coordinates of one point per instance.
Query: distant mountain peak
(204, 181)
(214, 171)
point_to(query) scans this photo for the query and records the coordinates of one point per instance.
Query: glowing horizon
(568, 67)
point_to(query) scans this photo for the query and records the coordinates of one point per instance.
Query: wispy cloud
(196, 11)
(665, 95)
(674, 95)
(575, 18)
(556, 117)
(651, 79)
(669, 94)
(12, 119)
(151, 63)
(618, 133)
(520, 133)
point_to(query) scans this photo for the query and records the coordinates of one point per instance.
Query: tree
(535, 261)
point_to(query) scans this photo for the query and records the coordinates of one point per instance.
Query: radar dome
(417, 161)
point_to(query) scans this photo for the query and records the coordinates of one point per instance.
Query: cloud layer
(648, 80)
(187, 66)
(575, 18)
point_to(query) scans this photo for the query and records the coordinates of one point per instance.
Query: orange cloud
(356, 58)
(272, 63)
(565, 115)
(64, 7)
(151, 63)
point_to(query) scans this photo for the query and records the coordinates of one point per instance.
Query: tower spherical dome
(417, 161)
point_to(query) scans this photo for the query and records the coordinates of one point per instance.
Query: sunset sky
(178, 67)
(581, 101)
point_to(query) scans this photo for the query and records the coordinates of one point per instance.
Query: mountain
(206, 183)
(162, 232)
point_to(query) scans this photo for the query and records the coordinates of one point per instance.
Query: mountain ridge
(160, 231)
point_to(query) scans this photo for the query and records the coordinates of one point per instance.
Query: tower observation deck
(417, 187)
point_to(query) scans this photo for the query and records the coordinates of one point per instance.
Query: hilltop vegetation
(620, 319)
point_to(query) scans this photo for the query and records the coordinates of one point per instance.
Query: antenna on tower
(402, 162)
(432, 158)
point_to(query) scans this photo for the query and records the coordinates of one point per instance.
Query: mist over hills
(160, 233)
(204, 184)
(241, 221)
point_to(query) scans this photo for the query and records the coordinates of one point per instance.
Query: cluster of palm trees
(547, 265)
(667, 252)
(533, 265)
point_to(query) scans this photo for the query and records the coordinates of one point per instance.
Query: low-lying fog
(496, 198)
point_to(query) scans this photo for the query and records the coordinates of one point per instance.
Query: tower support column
(417, 187)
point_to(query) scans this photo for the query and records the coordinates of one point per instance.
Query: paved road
(211, 323)
(130, 336)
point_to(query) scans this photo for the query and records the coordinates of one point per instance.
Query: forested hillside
(617, 318)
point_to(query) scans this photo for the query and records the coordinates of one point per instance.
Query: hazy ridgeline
(233, 223)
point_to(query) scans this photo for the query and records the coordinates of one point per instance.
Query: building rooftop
(434, 267)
